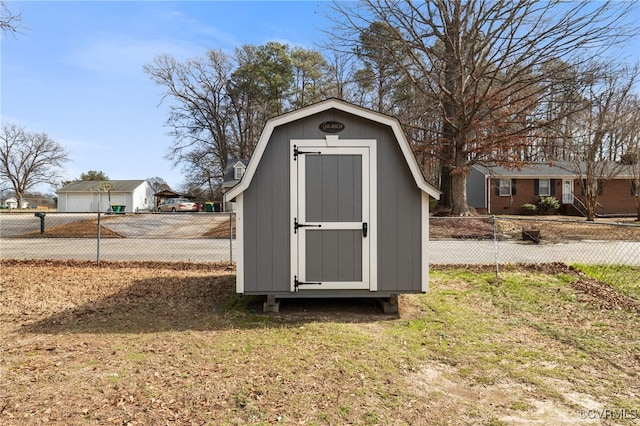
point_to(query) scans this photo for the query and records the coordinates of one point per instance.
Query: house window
(597, 187)
(238, 172)
(544, 187)
(504, 187)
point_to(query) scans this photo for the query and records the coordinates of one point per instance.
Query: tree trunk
(459, 205)
(590, 202)
(19, 198)
(638, 207)
(446, 201)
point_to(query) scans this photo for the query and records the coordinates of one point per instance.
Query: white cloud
(122, 54)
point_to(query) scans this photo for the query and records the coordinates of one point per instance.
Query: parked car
(178, 205)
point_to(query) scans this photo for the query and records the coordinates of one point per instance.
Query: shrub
(548, 203)
(529, 209)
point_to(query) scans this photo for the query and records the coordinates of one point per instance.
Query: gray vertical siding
(266, 209)
(399, 220)
(266, 221)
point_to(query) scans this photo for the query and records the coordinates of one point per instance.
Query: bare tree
(29, 159)
(10, 22)
(199, 108)
(158, 184)
(602, 128)
(482, 64)
(631, 157)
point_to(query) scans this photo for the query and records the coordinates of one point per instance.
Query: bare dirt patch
(551, 228)
(81, 229)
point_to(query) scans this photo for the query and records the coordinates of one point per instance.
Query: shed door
(331, 223)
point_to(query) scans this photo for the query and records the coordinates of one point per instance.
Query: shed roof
(94, 185)
(341, 106)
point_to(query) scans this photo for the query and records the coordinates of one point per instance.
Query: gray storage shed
(332, 204)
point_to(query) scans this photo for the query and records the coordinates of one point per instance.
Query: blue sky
(76, 72)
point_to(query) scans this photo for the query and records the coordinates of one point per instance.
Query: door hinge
(297, 152)
(297, 283)
(297, 225)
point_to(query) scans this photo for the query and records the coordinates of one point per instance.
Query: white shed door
(331, 216)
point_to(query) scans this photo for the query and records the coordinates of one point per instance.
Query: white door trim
(366, 148)
(567, 197)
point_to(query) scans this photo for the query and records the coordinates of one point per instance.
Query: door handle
(364, 229)
(297, 225)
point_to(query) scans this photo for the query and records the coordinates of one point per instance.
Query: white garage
(106, 196)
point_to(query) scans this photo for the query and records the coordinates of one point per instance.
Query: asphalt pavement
(177, 237)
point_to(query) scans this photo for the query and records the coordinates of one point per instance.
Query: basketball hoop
(106, 185)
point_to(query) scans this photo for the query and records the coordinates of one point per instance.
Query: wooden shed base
(389, 304)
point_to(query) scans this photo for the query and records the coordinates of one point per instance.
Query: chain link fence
(210, 237)
(609, 246)
(181, 237)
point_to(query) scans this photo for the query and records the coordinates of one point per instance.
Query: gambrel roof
(340, 105)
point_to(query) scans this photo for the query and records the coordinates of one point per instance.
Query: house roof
(168, 193)
(341, 106)
(95, 185)
(229, 173)
(557, 169)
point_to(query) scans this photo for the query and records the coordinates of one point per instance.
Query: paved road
(207, 250)
(117, 249)
(147, 239)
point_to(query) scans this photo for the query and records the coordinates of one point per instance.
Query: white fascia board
(318, 108)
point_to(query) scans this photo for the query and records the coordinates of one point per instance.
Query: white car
(178, 205)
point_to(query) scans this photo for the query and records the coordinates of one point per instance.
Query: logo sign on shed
(331, 127)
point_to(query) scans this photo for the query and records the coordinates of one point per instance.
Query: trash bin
(117, 208)
(217, 207)
(208, 207)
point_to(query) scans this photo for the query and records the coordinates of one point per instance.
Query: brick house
(498, 190)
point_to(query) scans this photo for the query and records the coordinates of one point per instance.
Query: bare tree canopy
(219, 104)
(29, 159)
(604, 133)
(481, 70)
(10, 22)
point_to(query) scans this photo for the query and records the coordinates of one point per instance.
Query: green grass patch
(624, 278)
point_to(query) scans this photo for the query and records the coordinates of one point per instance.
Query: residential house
(232, 176)
(12, 203)
(500, 190)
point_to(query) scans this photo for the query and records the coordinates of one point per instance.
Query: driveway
(164, 225)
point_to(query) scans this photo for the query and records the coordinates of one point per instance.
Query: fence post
(495, 244)
(230, 237)
(98, 248)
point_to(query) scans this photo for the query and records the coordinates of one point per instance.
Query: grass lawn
(157, 343)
